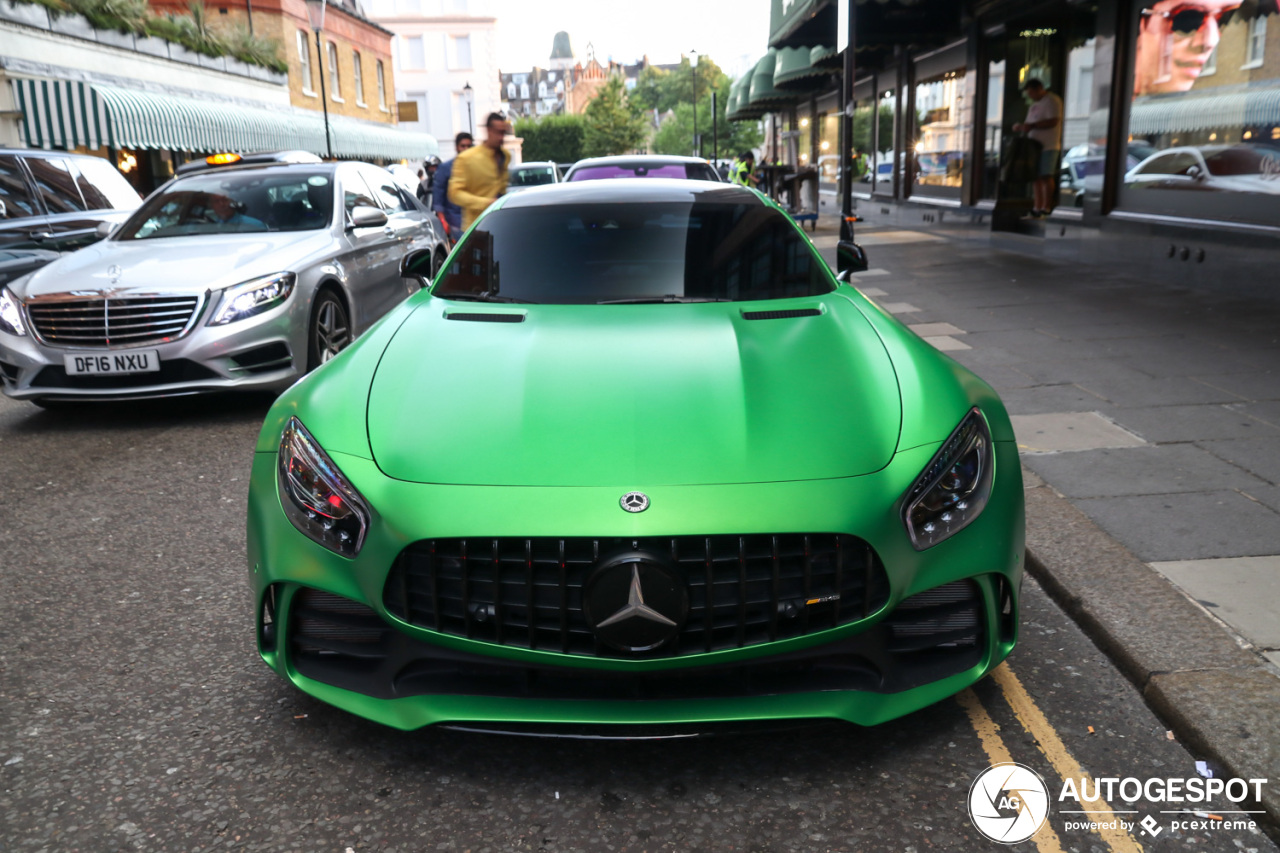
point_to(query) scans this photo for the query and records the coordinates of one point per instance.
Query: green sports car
(637, 462)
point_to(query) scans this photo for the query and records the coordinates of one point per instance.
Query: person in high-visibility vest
(743, 167)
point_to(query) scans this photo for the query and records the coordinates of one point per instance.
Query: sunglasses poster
(1205, 116)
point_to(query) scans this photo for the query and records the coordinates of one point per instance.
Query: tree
(612, 125)
(731, 138)
(558, 138)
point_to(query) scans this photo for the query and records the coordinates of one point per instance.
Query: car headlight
(10, 314)
(315, 495)
(253, 297)
(953, 488)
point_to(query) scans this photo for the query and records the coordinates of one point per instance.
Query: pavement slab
(1150, 470)
(1047, 399)
(1192, 526)
(1068, 431)
(1252, 385)
(1256, 455)
(1239, 590)
(1157, 391)
(1191, 423)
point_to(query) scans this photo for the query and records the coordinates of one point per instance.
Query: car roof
(647, 190)
(42, 152)
(655, 159)
(239, 169)
(539, 163)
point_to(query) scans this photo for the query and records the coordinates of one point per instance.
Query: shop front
(1165, 147)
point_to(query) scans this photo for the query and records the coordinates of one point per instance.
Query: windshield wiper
(670, 297)
(484, 297)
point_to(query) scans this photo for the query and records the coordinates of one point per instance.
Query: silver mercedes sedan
(228, 278)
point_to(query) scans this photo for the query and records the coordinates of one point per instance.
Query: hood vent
(781, 315)
(485, 318)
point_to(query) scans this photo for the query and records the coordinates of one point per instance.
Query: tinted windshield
(532, 176)
(1242, 161)
(235, 203)
(691, 171)
(594, 253)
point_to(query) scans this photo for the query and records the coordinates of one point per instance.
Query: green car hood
(633, 395)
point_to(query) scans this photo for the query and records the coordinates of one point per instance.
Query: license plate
(140, 361)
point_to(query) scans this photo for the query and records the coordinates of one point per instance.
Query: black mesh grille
(124, 321)
(945, 617)
(480, 317)
(781, 315)
(743, 590)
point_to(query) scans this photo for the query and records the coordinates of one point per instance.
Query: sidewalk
(1149, 422)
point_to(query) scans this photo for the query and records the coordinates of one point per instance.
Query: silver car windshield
(231, 203)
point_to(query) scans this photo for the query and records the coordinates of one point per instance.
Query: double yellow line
(1052, 747)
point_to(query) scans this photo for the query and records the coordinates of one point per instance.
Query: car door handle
(39, 236)
(389, 231)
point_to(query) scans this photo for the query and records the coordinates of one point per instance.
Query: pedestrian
(426, 180)
(479, 176)
(744, 169)
(450, 214)
(1043, 125)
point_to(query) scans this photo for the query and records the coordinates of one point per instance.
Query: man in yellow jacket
(480, 173)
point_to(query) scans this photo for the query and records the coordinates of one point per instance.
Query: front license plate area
(109, 363)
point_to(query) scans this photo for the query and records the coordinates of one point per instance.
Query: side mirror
(417, 264)
(1195, 173)
(104, 230)
(363, 216)
(850, 258)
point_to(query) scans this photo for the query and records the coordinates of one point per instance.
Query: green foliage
(613, 126)
(731, 138)
(192, 30)
(862, 139)
(558, 138)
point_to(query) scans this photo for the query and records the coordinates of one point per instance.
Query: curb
(1218, 698)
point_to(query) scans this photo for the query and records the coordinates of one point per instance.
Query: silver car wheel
(330, 329)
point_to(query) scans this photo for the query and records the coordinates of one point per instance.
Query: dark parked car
(53, 201)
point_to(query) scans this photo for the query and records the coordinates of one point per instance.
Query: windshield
(1242, 161)
(232, 203)
(532, 176)
(639, 252)
(691, 171)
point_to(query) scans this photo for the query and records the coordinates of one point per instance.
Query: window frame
(1256, 37)
(335, 78)
(357, 77)
(382, 86)
(304, 62)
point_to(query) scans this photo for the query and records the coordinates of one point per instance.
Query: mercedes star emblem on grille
(635, 501)
(634, 602)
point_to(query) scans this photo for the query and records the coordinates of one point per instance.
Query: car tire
(330, 330)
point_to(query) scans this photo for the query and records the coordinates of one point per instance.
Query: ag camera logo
(1008, 803)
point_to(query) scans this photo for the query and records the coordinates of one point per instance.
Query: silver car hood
(190, 264)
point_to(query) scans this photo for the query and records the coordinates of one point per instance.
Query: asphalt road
(135, 715)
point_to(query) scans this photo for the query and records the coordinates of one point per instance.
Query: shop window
(942, 136)
(1202, 144)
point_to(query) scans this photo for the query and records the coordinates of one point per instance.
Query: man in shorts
(1044, 125)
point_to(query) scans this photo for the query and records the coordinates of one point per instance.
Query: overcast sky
(732, 33)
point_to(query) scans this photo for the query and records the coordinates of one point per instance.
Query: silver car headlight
(316, 496)
(10, 314)
(954, 487)
(253, 297)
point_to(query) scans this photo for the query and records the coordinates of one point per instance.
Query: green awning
(763, 93)
(69, 113)
(823, 56)
(795, 70)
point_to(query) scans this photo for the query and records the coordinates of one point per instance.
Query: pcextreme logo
(1008, 803)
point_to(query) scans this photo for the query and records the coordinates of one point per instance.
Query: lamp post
(693, 66)
(315, 14)
(466, 96)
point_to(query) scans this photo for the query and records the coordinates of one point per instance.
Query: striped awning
(1210, 110)
(68, 113)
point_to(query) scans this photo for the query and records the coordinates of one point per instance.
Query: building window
(459, 52)
(511, 90)
(1256, 46)
(357, 77)
(304, 62)
(412, 55)
(335, 93)
(382, 88)
(524, 91)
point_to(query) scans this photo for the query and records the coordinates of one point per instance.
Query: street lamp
(466, 96)
(315, 14)
(693, 66)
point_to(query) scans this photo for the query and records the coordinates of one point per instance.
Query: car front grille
(743, 590)
(113, 321)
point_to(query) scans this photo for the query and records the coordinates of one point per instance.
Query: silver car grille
(112, 321)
